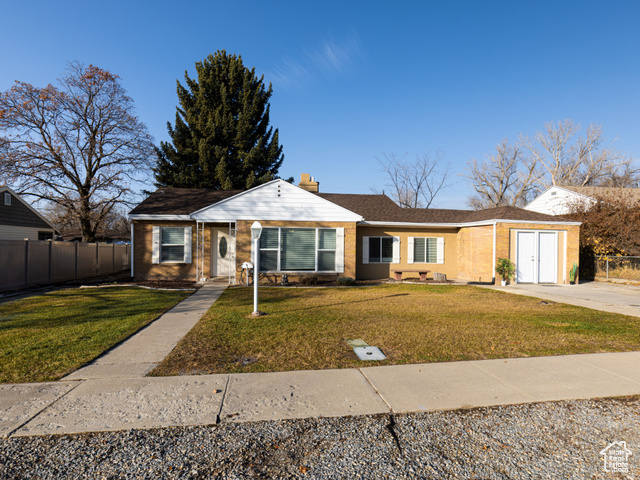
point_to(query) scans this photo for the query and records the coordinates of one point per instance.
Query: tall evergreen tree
(221, 139)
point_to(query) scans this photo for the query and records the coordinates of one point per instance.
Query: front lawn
(48, 336)
(306, 328)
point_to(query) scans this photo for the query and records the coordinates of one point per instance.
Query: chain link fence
(614, 267)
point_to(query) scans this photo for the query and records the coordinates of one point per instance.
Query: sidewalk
(76, 406)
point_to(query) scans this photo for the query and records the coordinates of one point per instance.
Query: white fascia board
(467, 224)
(534, 222)
(19, 198)
(181, 218)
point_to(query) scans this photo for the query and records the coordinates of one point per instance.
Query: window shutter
(365, 249)
(155, 248)
(440, 250)
(410, 250)
(340, 250)
(396, 250)
(187, 245)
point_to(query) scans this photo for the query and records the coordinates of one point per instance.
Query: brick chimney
(308, 183)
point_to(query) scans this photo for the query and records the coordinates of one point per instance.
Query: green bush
(345, 281)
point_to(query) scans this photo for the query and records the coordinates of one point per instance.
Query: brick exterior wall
(144, 268)
(375, 271)
(506, 244)
(243, 241)
(475, 254)
(468, 251)
(475, 249)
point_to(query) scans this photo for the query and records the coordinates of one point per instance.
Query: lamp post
(256, 232)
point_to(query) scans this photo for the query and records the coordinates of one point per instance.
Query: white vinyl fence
(27, 263)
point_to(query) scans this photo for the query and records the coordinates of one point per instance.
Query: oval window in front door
(222, 247)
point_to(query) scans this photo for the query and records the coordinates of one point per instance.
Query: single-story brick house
(193, 234)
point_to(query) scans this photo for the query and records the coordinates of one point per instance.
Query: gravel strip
(555, 440)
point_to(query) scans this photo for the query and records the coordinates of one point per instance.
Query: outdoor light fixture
(256, 232)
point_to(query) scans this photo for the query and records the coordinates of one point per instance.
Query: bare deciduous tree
(76, 145)
(505, 178)
(114, 225)
(557, 155)
(414, 184)
(568, 158)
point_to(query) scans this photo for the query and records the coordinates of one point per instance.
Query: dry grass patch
(306, 328)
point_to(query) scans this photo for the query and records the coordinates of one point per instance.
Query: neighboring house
(560, 200)
(194, 234)
(20, 221)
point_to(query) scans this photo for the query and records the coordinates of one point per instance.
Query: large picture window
(300, 249)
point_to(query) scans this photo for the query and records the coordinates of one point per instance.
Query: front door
(537, 257)
(222, 253)
(526, 257)
(547, 257)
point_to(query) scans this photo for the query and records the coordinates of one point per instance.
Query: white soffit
(276, 200)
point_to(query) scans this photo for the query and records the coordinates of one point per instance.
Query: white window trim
(395, 255)
(7, 199)
(439, 251)
(339, 251)
(157, 246)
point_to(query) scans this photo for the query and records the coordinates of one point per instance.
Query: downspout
(131, 250)
(564, 260)
(197, 255)
(494, 253)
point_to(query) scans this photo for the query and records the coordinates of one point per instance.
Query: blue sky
(355, 80)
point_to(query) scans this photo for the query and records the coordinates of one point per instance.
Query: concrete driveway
(608, 297)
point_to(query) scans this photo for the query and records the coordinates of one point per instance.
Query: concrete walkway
(113, 394)
(125, 403)
(607, 297)
(139, 354)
